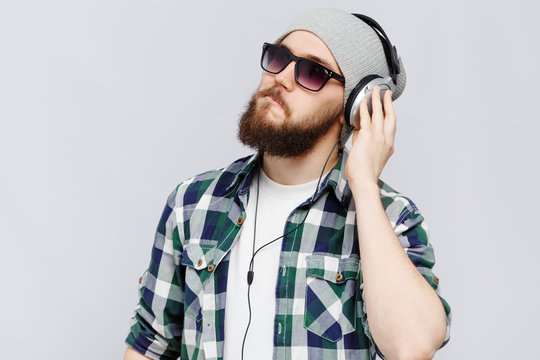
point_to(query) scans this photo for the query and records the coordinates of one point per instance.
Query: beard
(293, 137)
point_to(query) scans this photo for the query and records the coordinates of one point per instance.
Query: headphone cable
(251, 273)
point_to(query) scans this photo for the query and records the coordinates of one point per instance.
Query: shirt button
(140, 280)
(199, 263)
(240, 220)
(339, 277)
(210, 267)
(436, 279)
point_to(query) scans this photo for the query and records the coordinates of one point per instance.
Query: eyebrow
(312, 57)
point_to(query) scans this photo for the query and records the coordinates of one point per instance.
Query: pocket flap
(332, 268)
(197, 255)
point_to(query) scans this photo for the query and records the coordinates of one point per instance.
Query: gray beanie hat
(354, 44)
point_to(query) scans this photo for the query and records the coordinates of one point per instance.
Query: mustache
(276, 94)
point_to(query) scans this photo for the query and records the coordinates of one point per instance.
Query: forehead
(306, 44)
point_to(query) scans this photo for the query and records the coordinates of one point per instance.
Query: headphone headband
(390, 51)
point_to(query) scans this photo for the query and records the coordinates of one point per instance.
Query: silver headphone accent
(384, 84)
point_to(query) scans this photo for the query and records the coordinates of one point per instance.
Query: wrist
(363, 186)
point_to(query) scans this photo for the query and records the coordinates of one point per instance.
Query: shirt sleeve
(156, 327)
(412, 232)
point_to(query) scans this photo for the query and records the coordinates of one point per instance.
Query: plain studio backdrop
(105, 106)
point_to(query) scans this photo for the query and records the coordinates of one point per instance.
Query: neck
(300, 170)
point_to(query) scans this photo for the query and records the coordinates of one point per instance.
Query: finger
(389, 117)
(365, 120)
(377, 116)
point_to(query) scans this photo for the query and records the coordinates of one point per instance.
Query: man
(261, 260)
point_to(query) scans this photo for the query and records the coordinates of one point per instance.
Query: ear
(342, 119)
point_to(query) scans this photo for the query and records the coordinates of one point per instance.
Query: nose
(286, 77)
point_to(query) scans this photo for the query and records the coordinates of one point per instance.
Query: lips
(274, 96)
(274, 101)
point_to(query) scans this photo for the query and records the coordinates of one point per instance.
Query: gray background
(105, 106)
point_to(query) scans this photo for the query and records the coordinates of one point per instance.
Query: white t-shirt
(276, 202)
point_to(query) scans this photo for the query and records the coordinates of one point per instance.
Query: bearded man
(298, 251)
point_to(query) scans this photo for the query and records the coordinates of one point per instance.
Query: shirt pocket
(198, 261)
(330, 301)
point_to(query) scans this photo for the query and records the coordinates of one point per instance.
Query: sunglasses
(308, 74)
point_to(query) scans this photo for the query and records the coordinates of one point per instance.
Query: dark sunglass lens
(310, 75)
(274, 59)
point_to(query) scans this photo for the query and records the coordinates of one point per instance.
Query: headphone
(364, 88)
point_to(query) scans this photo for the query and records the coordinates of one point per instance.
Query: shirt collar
(334, 180)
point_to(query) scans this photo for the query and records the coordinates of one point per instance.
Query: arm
(156, 327)
(406, 317)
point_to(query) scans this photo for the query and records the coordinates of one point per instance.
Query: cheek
(315, 104)
(336, 91)
(304, 105)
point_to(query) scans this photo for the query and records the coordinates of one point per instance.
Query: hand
(373, 143)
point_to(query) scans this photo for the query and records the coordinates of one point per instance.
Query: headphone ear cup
(354, 94)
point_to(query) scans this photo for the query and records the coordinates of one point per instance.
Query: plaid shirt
(320, 308)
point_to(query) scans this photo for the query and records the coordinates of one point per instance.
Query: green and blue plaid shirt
(320, 308)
